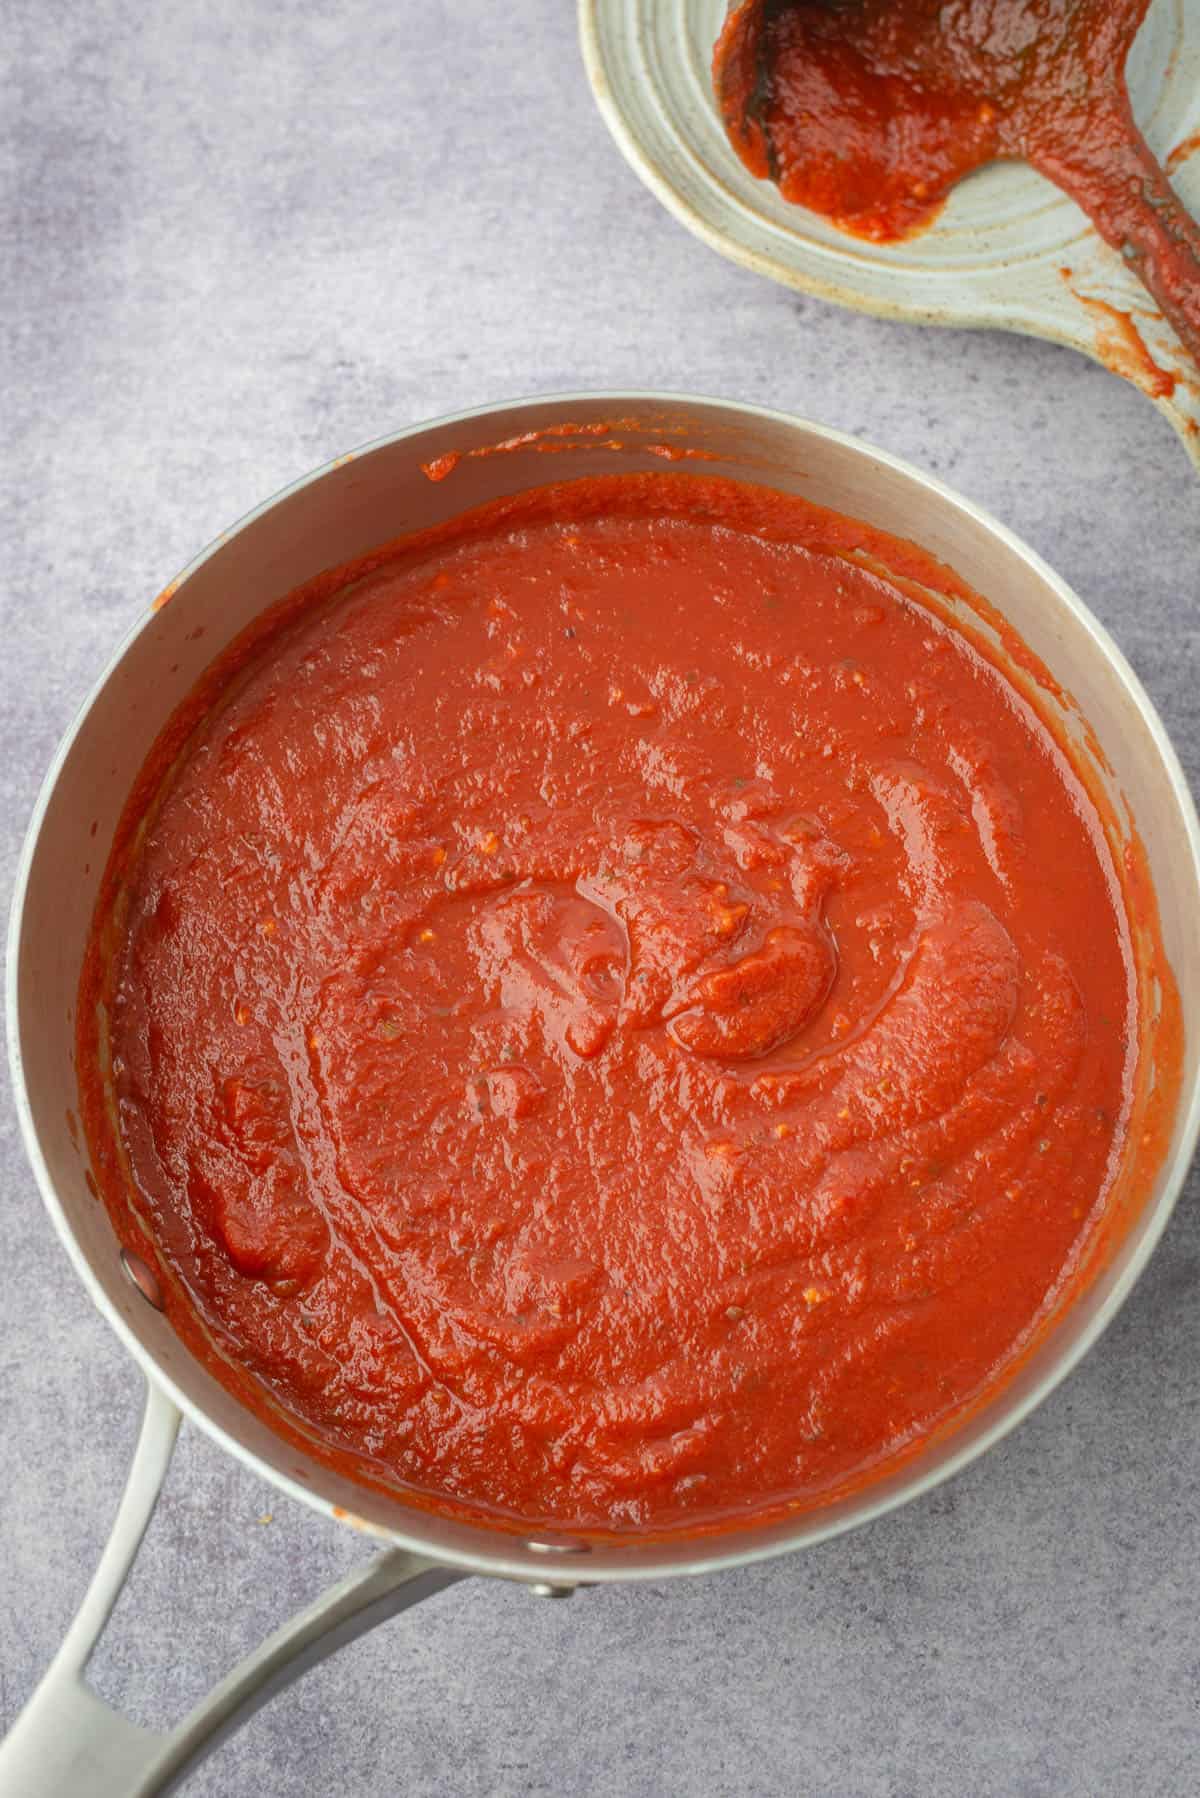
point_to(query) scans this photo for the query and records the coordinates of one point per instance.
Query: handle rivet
(139, 1273)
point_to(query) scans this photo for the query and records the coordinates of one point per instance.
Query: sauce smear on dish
(619, 1014)
(870, 111)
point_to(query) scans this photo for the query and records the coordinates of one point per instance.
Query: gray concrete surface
(239, 238)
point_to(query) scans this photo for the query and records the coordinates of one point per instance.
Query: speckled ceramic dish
(1008, 250)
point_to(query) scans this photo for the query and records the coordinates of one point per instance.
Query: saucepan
(67, 1740)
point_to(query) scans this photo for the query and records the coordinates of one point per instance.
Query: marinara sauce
(871, 110)
(619, 1013)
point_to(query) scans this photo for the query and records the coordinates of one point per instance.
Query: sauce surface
(619, 1016)
(870, 111)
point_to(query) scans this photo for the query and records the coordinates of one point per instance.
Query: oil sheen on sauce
(619, 1017)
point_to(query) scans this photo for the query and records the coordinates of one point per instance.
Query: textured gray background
(239, 238)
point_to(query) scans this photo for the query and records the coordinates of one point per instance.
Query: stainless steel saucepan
(68, 1741)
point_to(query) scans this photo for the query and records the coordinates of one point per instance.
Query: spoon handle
(1110, 171)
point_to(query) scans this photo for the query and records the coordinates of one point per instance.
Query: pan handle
(67, 1740)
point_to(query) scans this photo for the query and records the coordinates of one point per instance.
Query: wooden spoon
(869, 112)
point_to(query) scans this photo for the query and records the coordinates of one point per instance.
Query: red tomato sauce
(619, 1016)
